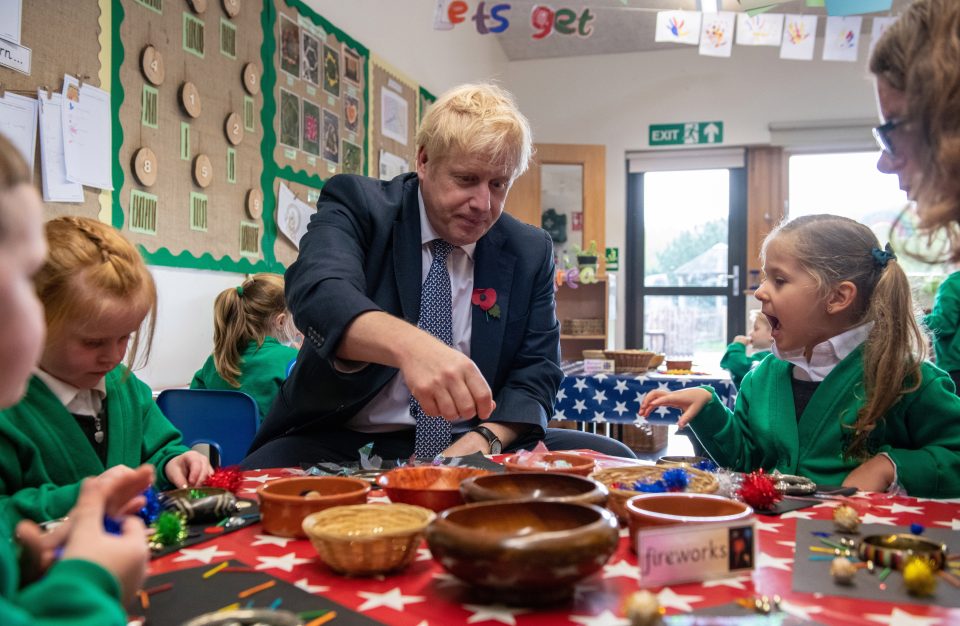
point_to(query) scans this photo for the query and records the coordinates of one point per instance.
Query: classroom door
(686, 257)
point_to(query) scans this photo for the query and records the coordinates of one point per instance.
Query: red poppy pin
(486, 299)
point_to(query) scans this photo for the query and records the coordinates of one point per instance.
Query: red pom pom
(228, 478)
(759, 491)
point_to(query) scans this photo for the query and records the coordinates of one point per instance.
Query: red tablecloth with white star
(424, 594)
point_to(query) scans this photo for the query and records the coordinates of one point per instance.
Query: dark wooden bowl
(545, 462)
(668, 509)
(433, 487)
(534, 486)
(527, 552)
(284, 505)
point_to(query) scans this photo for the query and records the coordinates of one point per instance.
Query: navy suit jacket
(362, 252)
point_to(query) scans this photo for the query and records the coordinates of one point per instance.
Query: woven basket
(656, 361)
(367, 539)
(646, 438)
(700, 482)
(589, 326)
(630, 360)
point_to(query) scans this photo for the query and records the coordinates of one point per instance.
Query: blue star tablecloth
(616, 398)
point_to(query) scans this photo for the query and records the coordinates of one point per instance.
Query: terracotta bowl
(433, 487)
(523, 552)
(284, 503)
(546, 462)
(534, 486)
(678, 364)
(668, 509)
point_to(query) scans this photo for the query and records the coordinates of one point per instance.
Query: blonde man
(396, 350)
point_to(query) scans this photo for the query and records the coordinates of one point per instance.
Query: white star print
(797, 515)
(561, 394)
(579, 406)
(640, 420)
(204, 555)
(393, 599)
(604, 619)
(286, 562)
(443, 579)
(270, 540)
(494, 613)
(765, 560)
(306, 586)
(621, 568)
(671, 600)
(599, 416)
(736, 583)
(259, 479)
(953, 524)
(423, 554)
(621, 408)
(581, 384)
(789, 544)
(768, 527)
(663, 410)
(896, 507)
(642, 378)
(663, 386)
(902, 618)
(620, 386)
(559, 416)
(599, 396)
(801, 612)
(639, 398)
(870, 518)
(600, 377)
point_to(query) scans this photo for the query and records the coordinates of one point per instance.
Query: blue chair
(225, 420)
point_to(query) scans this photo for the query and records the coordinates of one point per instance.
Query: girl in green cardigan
(849, 398)
(736, 360)
(944, 323)
(249, 324)
(84, 412)
(96, 570)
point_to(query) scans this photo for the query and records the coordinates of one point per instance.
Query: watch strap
(489, 435)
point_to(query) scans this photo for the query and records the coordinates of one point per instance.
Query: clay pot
(534, 486)
(286, 502)
(668, 509)
(433, 487)
(545, 462)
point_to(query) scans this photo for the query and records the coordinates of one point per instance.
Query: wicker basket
(646, 438)
(630, 360)
(700, 482)
(588, 326)
(594, 354)
(367, 539)
(656, 361)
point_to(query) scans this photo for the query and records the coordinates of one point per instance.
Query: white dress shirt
(77, 401)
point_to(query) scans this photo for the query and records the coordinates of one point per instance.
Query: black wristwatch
(495, 444)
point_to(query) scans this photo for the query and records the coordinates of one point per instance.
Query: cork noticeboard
(393, 117)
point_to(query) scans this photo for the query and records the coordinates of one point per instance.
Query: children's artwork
(331, 71)
(87, 134)
(351, 162)
(760, 30)
(351, 66)
(18, 123)
(880, 24)
(289, 119)
(293, 215)
(56, 187)
(289, 46)
(393, 115)
(678, 27)
(310, 58)
(331, 136)
(799, 37)
(392, 165)
(351, 112)
(716, 34)
(311, 128)
(841, 42)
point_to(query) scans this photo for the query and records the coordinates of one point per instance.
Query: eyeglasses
(882, 135)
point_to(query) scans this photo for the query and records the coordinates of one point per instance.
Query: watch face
(495, 447)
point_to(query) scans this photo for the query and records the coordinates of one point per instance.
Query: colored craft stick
(256, 589)
(229, 607)
(213, 530)
(329, 617)
(821, 557)
(158, 589)
(276, 604)
(214, 570)
(950, 578)
(832, 544)
(883, 575)
(308, 615)
(144, 599)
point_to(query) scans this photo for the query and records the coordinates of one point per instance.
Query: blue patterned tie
(436, 317)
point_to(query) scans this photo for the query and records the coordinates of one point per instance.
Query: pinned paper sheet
(799, 37)
(393, 118)
(842, 38)
(18, 123)
(392, 165)
(857, 7)
(87, 136)
(880, 25)
(11, 17)
(760, 30)
(53, 171)
(293, 215)
(716, 34)
(678, 27)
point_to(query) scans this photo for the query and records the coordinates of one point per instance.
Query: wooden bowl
(679, 364)
(534, 486)
(433, 487)
(547, 462)
(650, 510)
(656, 361)
(523, 552)
(699, 482)
(284, 503)
(681, 461)
(367, 539)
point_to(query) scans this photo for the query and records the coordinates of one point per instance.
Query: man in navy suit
(355, 294)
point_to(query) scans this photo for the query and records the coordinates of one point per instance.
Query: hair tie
(240, 290)
(882, 257)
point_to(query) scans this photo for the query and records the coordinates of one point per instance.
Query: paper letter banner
(799, 37)
(880, 24)
(440, 19)
(678, 27)
(716, 36)
(759, 30)
(857, 7)
(842, 39)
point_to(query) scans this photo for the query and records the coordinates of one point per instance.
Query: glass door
(687, 234)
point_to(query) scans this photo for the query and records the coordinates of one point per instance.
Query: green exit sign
(686, 133)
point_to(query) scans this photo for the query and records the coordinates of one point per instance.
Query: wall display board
(393, 120)
(425, 100)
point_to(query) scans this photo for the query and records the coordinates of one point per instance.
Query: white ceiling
(619, 26)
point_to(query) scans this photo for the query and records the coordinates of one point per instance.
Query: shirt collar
(65, 392)
(427, 234)
(826, 355)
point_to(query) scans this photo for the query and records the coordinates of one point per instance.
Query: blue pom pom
(707, 465)
(152, 508)
(112, 526)
(676, 479)
(656, 486)
(917, 529)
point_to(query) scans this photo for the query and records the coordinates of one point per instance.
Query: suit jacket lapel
(407, 253)
(493, 268)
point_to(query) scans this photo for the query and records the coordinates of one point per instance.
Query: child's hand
(874, 474)
(190, 469)
(742, 339)
(690, 401)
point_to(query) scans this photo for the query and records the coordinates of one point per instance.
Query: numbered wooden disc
(232, 7)
(151, 61)
(198, 6)
(190, 99)
(254, 203)
(145, 167)
(202, 170)
(234, 128)
(251, 79)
